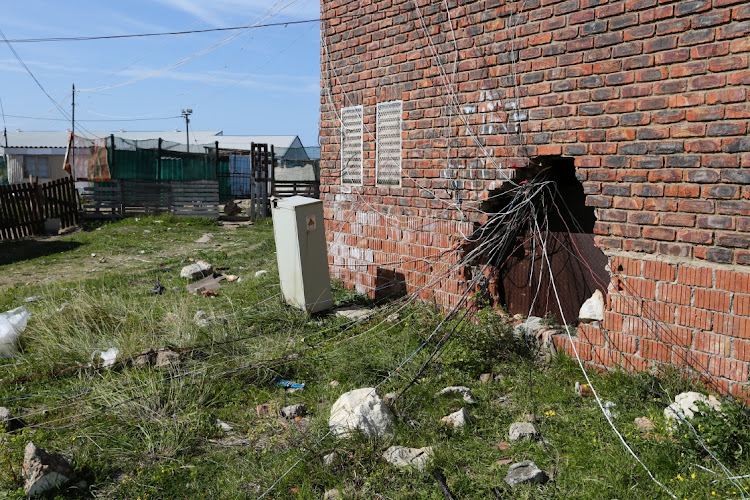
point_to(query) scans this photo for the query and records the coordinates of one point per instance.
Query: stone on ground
(167, 358)
(521, 430)
(485, 378)
(353, 313)
(685, 407)
(401, 456)
(332, 495)
(593, 308)
(458, 390)
(457, 420)
(205, 238)
(360, 410)
(525, 472)
(260, 273)
(197, 270)
(528, 328)
(294, 411)
(44, 471)
(644, 424)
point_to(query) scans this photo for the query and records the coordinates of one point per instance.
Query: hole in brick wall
(578, 266)
(389, 284)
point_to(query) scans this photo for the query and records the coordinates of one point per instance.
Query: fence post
(158, 161)
(112, 160)
(37, 200)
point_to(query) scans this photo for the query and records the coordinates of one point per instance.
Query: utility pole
(73, 131)
(186, 113)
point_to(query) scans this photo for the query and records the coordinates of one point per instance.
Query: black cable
(164, 33)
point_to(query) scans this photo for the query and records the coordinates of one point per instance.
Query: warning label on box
(311, 223)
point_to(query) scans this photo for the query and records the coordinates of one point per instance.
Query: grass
(151, 433)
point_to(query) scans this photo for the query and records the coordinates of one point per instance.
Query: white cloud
(244, 11)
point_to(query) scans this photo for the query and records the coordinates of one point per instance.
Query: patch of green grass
(143, 432)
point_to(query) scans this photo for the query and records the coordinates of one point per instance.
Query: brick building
(430, 108)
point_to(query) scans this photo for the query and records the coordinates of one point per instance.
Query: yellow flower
(692, 476)
(680, 477)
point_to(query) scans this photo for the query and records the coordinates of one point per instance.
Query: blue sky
(251, 82)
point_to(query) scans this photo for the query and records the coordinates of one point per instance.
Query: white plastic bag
(12, 324)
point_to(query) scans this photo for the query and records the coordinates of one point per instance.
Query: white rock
(223, 425)
(521, 430)
(205, 238)
(593, 308)
(685, 407)
(459, 390)
(457, 420)
(260, 273)
(43, 470)
(525, 472)
(529, 327)
(62, 307)
(400, 456)
(34, 298)
(360, 410)
(197, 270)
(354, 313)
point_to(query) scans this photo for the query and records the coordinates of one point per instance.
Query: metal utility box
(301, 253)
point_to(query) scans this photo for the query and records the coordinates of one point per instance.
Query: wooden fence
(122, 198)
(24, 207)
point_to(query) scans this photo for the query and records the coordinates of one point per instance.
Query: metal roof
(59, 139)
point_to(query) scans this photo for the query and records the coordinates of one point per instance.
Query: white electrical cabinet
(301, 253)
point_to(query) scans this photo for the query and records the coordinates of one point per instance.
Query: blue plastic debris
(288, 384)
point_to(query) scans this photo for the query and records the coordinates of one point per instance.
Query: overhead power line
(164, 33)
(96, 119)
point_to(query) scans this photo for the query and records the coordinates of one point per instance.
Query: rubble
(197, 270)
(521, 430)
(44, 471)
(209, 283)
(459, 390)
(360, 410)
(294, 411)
(457, 420)
(593, 308)
(353, 313)
(685, 407)
(400, 456)
(525, 472)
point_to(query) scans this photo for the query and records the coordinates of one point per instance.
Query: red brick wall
(650, 98)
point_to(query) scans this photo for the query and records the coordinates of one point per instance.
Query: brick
(712, 299)
(695, 318)
(733, 281)
(695, 276)
(713, 344)
(735, 326)
(674, 294)
(741, 305)
(727, 368)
